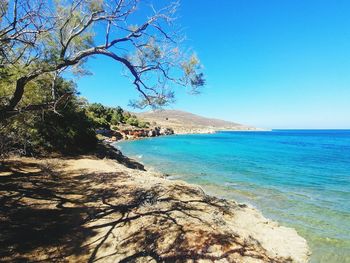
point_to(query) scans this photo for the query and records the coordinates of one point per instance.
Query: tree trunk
(5, 111)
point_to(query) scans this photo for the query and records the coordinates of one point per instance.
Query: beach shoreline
(210, 227)
(273, 172)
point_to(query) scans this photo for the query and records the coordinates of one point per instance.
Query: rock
(157, 131)
(166, 131)
(139, 133)
(151, 133)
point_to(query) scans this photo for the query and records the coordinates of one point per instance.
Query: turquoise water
(299, 177)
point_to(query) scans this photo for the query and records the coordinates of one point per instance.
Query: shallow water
(300, 178)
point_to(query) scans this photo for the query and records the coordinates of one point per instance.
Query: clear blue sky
(271, 64)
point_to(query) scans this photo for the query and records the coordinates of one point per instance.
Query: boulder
(151, 133)
(166, 131)
(157, 131)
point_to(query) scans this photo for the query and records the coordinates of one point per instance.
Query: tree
(144, 124)
(117, 116)
(44, 38)
(29, 133)
(100, 115)
(126, 116)
(133, 121)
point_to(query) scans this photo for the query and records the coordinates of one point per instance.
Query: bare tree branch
(42, 38)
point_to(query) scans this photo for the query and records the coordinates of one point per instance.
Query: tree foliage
(42, 39)
(107, 117)
(70, 131)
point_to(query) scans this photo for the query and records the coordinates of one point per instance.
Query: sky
(269, 64)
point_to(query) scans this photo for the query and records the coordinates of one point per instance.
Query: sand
(87, 209)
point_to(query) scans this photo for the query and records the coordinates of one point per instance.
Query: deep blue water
(299, 177)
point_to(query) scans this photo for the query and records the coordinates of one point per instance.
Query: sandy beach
(89, 209)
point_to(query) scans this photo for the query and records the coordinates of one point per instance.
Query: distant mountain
(185, 122)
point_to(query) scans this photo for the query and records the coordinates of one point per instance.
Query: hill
(185, 122)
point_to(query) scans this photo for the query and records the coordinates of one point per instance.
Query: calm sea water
(299, 177)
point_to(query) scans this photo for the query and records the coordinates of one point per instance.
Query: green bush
(133, 121)
(35, 132)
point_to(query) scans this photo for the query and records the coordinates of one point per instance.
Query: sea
(300, 178)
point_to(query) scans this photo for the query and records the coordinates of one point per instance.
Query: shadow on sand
(46, 216)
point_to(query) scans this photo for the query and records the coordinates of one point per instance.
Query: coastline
(212, 130)
(184, 132)
(252, 219)
(183, 221)
(282, 173)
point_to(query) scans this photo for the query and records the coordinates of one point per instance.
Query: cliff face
(184, 122)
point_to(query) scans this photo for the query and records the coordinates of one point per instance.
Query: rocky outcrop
(139, 133)
(166, 131)
(132, 133)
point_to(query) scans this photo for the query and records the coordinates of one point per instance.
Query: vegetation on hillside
(69, 130)
(112, 118)
(32, 132)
